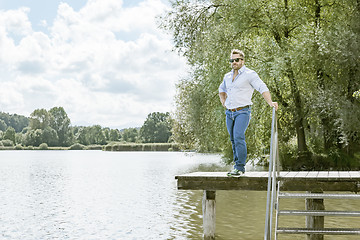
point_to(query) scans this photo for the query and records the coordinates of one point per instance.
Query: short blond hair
(237, 51)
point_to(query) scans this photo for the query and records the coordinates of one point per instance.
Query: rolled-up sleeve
(222, 87)
(257, 83)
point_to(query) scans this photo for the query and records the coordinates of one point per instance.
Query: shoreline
(114, 147)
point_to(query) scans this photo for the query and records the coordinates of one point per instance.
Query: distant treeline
(53, 128)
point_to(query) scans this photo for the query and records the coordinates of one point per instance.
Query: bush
(94, 147)
(18, 147)
(108, 148)
(77, 146)
(289, 157)
(43, 146)
(7, 143)
(143, 147)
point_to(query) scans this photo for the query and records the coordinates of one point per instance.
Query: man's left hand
(275, 105)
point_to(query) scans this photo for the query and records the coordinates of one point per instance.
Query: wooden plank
(257, 174)
(283, 174)
(354, 174)
(312, 174)
(302, 174)
(323, 174)
(291, 174)
(343, 175)
(333, 174)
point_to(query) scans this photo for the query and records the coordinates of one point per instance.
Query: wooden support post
(315, 222)
(208, 206)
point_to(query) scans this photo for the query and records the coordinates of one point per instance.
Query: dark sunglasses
(236, 60)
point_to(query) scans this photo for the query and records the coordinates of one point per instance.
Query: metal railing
(274, 195)
(273, 173)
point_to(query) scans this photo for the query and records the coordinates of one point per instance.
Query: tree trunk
(298, 111)
(295, 93)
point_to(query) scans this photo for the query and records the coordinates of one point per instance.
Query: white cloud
(16, 21)
(105, 64)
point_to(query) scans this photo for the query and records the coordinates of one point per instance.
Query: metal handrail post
(269, 203)
(274, 175)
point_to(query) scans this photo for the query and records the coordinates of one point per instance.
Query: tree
(106, 132)
(39, 119)
(18, 122)
(60, 122)
(114, 135)
(90, 135)
(10, 134)
(81, 135)
(50, 137)
(130, 134)
(156, 128)
(307, 53)
(3, 125)
(97, 135)
(33, 137)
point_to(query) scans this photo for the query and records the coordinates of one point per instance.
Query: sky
(105, 62)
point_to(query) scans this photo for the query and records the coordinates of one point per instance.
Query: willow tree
(295, 46)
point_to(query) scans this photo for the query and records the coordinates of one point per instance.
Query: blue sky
(104, 61)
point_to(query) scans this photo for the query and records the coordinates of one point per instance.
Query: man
(235, 94)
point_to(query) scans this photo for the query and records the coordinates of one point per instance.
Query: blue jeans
(237, 123)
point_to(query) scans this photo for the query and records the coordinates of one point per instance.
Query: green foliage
(9, 134)
(15, 121)
(60, 122)
(18, 147)
(33, 137)
(90, 135)
(307, 52)
(130, 134)
(357, 94)
(3, 125)
(114, 135)
(94, 147)
(156, 128)
(49, 136)
(53, 128)
(43, 146)
(142, 147)
(39, 119)
(7, 143)
(77, 146)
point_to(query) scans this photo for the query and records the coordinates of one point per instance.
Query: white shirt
(239, 92)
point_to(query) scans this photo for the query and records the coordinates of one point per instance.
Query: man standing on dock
(235, 94)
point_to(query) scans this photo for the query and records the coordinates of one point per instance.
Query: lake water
(96, 195)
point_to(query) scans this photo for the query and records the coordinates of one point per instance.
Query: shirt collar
(241, 70)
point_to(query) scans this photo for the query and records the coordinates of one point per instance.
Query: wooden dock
(309, 181)
(257, 181)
